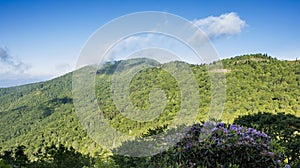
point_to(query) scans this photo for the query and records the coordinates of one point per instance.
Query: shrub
(285, 128)
(224, 146)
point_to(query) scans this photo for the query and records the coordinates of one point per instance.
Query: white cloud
(10, 65)
(13, 71)
(227, 24)
(224, 25)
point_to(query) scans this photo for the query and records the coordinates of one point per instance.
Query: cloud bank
(227, 24)
(12, 70)
(10, 65)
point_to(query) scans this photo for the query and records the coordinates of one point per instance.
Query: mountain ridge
(43, 113)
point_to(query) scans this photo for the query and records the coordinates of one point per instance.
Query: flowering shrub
(224, 146)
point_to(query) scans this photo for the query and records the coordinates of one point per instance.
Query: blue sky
(40, 40)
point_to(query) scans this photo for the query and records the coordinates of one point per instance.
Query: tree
(16, 158)
(61, 157)
(283, 127)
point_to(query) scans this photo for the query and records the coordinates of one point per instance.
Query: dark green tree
(61, 157)
(16, 157)
(283, 127)
(20, 158)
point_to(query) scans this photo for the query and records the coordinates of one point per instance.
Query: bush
(219, 145)
(285, 128)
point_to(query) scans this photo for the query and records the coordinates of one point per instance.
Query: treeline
(54, 156)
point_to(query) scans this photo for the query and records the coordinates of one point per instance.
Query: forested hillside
(42, 114)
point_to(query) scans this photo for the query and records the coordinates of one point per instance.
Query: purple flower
(214, 129)
(236, 128)
(220, 125)
(264, 135)
(250, 129)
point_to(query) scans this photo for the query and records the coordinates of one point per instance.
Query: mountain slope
(43, 113)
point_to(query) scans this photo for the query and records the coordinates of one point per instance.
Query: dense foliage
(215, 145)
(282, 127)
(41, 114)
(48, 157)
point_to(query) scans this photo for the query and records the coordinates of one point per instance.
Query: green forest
(39, 126)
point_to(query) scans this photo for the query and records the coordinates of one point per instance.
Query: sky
(40, 40)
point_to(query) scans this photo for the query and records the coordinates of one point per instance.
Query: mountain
(42, 114)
